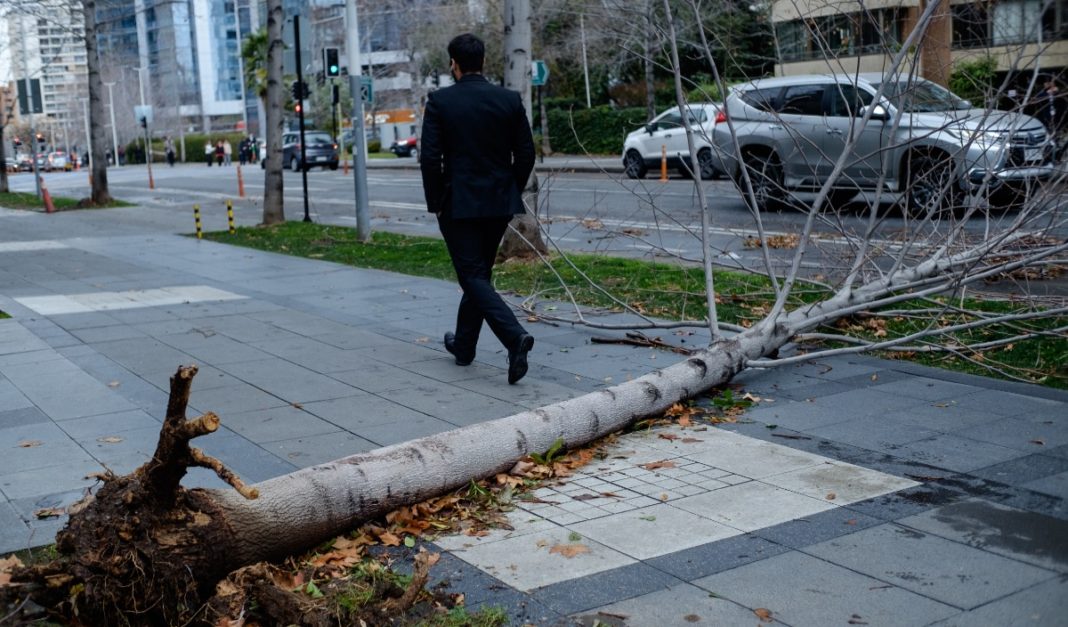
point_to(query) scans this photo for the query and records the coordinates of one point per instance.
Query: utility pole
(300, 116)
(241, 67)
(359, 150)
(114, 131)
(29, 101)
(585, 65)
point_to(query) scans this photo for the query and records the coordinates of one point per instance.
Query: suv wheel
(766, 174)
(634, 165)
(293, 164)
(704, 161)
(931, 185)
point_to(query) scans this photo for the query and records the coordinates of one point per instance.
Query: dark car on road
(406, 147)
(321, 150)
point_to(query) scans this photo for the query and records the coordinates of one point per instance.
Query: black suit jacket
(477, 150)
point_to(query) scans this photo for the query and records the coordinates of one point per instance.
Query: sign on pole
(143, 112)
(367, 89)
(539, 73)
(30, 98)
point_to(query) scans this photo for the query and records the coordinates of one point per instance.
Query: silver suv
(920, 140)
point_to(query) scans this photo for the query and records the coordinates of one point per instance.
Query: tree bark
(524, 238)
(273, 207)
(3, 157)
(99, 195)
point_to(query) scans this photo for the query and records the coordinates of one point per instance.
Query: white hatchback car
(644, 148)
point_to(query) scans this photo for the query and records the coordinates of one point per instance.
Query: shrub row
(600, 130)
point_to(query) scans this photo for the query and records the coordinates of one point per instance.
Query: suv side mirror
(878, 112)
(650, 128)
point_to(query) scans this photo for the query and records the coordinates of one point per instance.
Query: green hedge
(600, 130)
(194, 147)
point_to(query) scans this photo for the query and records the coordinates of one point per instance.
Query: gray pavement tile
(104, 425)
(584, 593)
(404, 430)
(14, 533)
(279, 423)
(237, 397)
(873, 432)
(1009, 404)
(816, 390)
(943, 416)
(37, 446)
(62, 341)
(289, 381)
(84, 320)
(801, 590)
(906, 502)
(28, 508)
(957, 453)
(120, 449)
(207, 378)
(244, 328)
(1025, 536)
(318, 449)
(1058, 451)
(928, 389)
(142, 355)
(375, 376)
(395, 352)
(651, 531)
(21, 417)
(250, 461)
(817, 527)
(442, 367)
(13, 360)
(214, 349)
(71, 474)
(453, 575)
(312, 354)
(715, 557)
(799, 440)
(11, 398)
(141, 315)
(1040, 605)
(678, 606)
(937, 568)
(1055, 485)
(812, 414)
(1023, 470)
(1023, 435)
(106, 334)
(532, 393)
(361, 410)
(450, 403)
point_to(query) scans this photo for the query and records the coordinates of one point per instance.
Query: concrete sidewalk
(858, 491)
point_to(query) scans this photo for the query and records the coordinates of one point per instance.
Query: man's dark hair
(468, 51)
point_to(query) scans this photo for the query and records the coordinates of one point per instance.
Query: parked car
(406, 147)
(25, 162)
(920, 140)
(11, 164)
(644, 148)
(320, 150)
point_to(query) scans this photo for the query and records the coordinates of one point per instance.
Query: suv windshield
(921, 97)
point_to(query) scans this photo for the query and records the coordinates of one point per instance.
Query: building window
(867, 32)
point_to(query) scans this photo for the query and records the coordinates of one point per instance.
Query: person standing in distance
(476, 157)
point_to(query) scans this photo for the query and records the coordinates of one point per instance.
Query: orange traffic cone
(49, 207)
(663, 165)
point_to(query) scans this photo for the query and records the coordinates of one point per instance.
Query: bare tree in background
(273, 207)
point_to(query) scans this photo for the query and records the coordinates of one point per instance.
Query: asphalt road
(602, 212)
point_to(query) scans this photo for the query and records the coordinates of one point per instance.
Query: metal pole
(300, 116)
(241, 68)
(114, 131)
(585, 64)
(359, 152)
(29, 102)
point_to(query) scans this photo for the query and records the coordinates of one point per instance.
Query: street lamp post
(114, 131)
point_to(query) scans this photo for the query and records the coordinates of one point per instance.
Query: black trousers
(472, 245)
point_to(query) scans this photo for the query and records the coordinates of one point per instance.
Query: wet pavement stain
(1016, 531)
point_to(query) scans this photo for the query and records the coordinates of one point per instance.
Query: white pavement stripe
(131, 299)
(43, 244)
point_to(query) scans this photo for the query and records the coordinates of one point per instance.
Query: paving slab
(799, 589)
(681, 605)
(1040, 605)
(934, 567)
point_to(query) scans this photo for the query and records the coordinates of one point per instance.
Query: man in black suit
(477, 153)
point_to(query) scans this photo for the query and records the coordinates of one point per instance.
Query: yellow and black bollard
(196, 218)
(230, 216)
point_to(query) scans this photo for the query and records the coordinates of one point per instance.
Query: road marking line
(131, 299)
(44, 244)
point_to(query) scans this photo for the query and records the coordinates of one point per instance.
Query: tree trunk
(650, 40)
(525, 235)
(3, 158)
(273, 208)
(99, 195)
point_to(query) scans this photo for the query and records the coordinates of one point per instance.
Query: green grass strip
(29, 200)
(670, 291)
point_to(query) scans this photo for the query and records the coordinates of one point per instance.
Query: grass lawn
(29, 200)
(672, 292)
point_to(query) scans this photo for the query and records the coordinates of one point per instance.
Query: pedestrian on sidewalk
(220, 152)
(209, 151)
(228, 152)
(168, 146)
(478, 153)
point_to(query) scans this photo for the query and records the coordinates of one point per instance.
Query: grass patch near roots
(29, 200)
(676, 292)
(3, 315)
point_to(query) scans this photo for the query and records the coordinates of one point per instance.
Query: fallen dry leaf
(113, 384)
(110, 439)
(297, 405)
(690, 440)
(692, 618)
(7, 564)
(570, 550)
(585, 497)
(422, 340)
(664, 463)
(684, 421)
(763, 614)
(1039, 442)
(671, 437)
(49, 512)
(831, 496)
(30, 443)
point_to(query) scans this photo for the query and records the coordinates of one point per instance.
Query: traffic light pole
(359, 149)
(300, 116)
(29, 102)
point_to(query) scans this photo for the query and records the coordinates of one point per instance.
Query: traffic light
(299, 90)
(296, 108)
(331, 65)
(144, 122)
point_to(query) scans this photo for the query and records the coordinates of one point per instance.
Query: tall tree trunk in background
(525, 235)
(650, 40)
(3, 159)
(99, 193)
(273, 209)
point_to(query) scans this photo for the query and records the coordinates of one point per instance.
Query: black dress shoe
(517, 358)
(450, 345)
